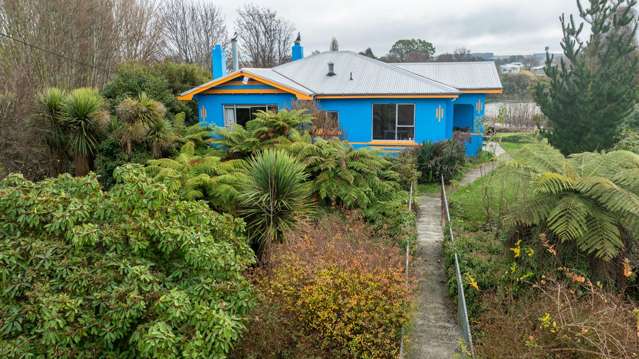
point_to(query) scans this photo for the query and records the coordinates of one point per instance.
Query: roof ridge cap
(311, 91)
(407, 72)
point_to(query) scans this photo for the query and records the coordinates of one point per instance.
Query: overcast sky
(500, 26)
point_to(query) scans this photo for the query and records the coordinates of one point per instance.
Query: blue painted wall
(464, 116)
(356, 117)
(214, 104)
(469, 110)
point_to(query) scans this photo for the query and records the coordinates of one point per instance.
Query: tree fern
(590, 198)
(344, 176)
(202, 177)
(268, 129)
(568, 220)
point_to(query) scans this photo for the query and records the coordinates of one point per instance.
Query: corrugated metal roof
(462, 75)
(369, 76)
(271, 75)
(308, 76)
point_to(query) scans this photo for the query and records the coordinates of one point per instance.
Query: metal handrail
(462, 309)
(410, 208)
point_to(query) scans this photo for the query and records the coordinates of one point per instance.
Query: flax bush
(132, 272)
(445, 158)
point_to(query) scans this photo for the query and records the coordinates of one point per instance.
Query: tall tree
(589, 94)
(265, 38)
(140, 26)
(334, 46)
(410, 50)
(67, 44)
(191, 29)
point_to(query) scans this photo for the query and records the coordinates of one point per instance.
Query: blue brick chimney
(298, 49)
(218, 65)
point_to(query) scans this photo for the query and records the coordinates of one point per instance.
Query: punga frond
(609, 195)
(603, 238)
(568, 220)
(553, 183)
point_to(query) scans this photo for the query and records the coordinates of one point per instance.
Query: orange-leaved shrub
(331, 291)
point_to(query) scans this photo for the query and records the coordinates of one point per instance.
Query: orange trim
(388, 143)
(384, 96)
(189, 95)
(241, 83)
(245, 91)
(487, 91)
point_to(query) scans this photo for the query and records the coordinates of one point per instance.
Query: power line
(53, 53)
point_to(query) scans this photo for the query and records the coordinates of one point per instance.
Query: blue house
(376, 104)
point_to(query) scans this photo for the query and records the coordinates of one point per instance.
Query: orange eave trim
(243, 91)
(486, 91)
(241, 83)
(188, 96)
(384, 96)
(388, 143)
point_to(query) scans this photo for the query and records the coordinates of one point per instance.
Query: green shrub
(110, 155)
(133, 272)
(445, 158)
(162, 82)
(392, 221)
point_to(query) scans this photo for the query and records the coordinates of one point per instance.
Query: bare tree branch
(265, 38)
(191, 29)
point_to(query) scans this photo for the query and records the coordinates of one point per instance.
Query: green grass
(475, 213)
(512, 142)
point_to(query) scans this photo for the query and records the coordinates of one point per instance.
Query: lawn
(511, 142)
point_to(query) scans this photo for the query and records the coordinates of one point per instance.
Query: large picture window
(241, 114)
(393, 121)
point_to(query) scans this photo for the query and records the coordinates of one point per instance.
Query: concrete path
(435, 333)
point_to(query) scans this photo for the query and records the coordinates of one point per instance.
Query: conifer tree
(592, 90)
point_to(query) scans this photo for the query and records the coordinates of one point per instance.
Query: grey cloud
(501, 26)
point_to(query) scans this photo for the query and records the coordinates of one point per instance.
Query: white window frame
(233, 121)
(397, 125)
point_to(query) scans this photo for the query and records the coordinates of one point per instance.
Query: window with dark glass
(241, 114)
(393, 121)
